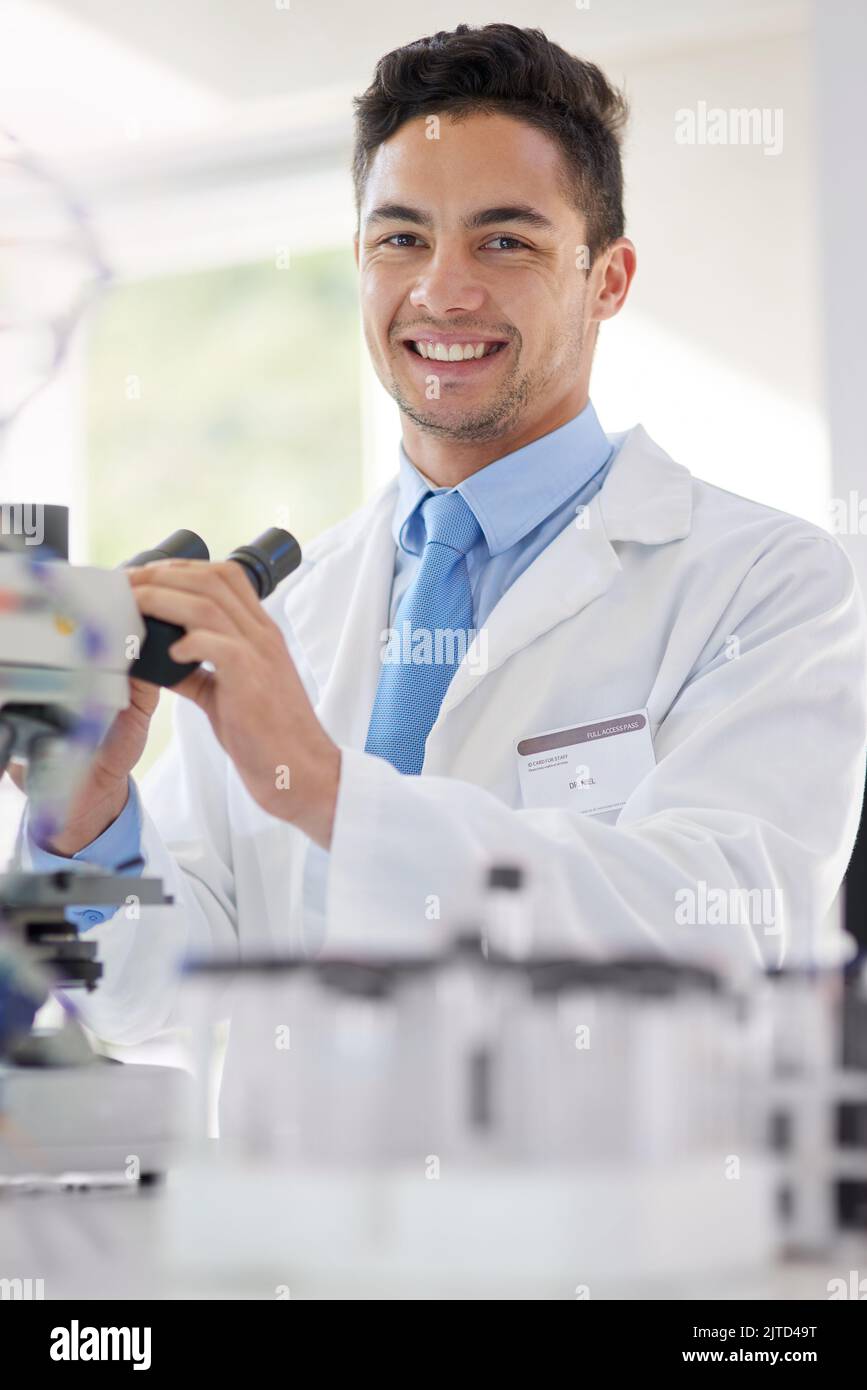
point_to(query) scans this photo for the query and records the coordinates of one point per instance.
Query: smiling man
(490, 290)
(657, 708)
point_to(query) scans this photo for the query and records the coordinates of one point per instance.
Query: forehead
(445, 164)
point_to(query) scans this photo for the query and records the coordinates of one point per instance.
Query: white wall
(718, 351)
(840, 62)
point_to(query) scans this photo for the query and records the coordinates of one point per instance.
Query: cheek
(536, 300)
(553, 313)
(382, 293)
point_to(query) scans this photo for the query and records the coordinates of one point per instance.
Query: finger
(188, 609)
(144, 695)
(18, 774)
(223, 581)
(236, 582)
(198, 687)
(142, 687)
(202, 644)
(237, 576)
(172, 560)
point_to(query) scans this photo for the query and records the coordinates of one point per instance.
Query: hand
(103, 794)
(254, 698)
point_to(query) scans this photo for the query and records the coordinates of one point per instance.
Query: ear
(355, 248)
(612, 274)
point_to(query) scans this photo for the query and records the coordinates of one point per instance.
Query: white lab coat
(759, 747)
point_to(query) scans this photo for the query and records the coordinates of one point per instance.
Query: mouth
(454, 350)
(453, 357)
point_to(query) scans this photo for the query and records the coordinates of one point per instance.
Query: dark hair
(520, 73)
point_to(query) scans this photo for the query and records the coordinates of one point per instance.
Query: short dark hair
(520, 73)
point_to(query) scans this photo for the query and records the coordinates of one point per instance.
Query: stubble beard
(502, 414)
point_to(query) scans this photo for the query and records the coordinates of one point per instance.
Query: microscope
(71, 636)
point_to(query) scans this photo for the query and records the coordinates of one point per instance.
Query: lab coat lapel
(646, 497)
(338, 615)
(340, 609)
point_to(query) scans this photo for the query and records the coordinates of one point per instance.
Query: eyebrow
(485, 217)
(510, 212)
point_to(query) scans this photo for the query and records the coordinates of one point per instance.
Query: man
(538, 645)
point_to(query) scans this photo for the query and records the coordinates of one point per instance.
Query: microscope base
(101, 1118)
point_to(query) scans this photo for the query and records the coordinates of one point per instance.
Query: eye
(513, 243)
(400, 239)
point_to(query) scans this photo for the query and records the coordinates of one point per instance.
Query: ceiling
(171, 111)
(251, 49)
(82, 78)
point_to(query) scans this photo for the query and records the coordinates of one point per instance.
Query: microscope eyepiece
(266, 560)
(180, 545)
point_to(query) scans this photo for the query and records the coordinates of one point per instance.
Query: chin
(477, 425)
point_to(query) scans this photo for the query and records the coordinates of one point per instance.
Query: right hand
(103, 794)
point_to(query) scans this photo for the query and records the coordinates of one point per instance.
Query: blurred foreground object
(64, 660)
(50, 272)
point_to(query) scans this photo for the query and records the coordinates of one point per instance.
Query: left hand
(254, 698)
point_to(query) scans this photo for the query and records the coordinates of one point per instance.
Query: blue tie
(433, 629)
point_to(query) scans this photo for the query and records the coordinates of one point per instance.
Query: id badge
(589, 767)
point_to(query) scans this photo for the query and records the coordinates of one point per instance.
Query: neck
(448, 462)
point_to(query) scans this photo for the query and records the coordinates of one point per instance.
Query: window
(225, 401)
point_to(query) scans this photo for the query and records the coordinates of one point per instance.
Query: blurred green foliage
(225, 401)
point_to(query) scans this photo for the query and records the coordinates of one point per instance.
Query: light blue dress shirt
(118, 848)
(522, 502)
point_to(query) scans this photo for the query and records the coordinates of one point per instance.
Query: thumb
(199, 687)
(18, 774)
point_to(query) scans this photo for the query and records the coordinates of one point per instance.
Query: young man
(538, 645)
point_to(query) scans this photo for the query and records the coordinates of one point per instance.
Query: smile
(452, 352)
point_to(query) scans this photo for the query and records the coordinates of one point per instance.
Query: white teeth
(457, 352)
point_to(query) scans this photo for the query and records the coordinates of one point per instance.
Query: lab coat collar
(338, 608)
(646, 497)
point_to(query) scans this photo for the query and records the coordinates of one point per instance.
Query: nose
(449, 284)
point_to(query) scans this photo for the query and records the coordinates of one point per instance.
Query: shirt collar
(516, 493)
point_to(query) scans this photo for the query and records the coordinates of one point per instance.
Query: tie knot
(449, 520)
